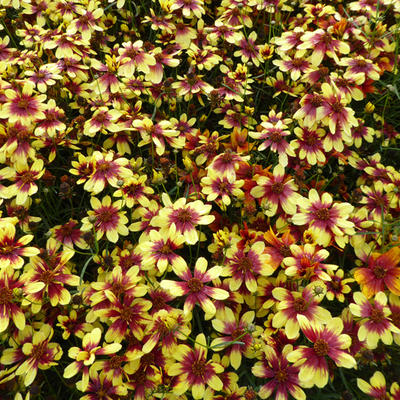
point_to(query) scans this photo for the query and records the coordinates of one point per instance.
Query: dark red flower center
(105, 216)
(275, 136)
(165, 249)
(281, 375)
(311, 140)
(24, 104)
(5, 295)
(184, 216)
(322, 214)
(377, 315)
(337, 106)
(245, 264)
(27, 177)
(237, 334)
(321, 347)
(284, 251)
(115, 362)
(300, 305)
(277, 187)
(117, 288)
(38, 350)
(126, 314)
(379, 271)
(316, 101)
(47, 277)
(199, 368)
(195, 285)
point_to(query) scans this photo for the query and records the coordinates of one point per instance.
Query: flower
(276, 190)
(376, 388)
(86, 356)
(37, 353)
(325, 219)
(238, 336)
(292, 305)
(273, 138)
(305, 262)
(185, 215)
(107, 170)
(160, 249)
(9, 286)
(106, 218)
(69, 234)
(193, 285)
(100, 387)
(278, 247)
(24, 106)
(11, 249)
(243, 266)
(193, 370)
(47, 275)
(381, 271)
(24, 177)
(328, 341)
(337, 287)
(220, 188)
(281, 376)
(375, 323)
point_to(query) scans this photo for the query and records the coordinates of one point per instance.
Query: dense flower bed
(199, 199)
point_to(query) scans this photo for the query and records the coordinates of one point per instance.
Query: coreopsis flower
(292, 304)
(44, 76)
(249, 50)
(52, 121)
(12, 249)
(297, 66)
(86, 356)
(116, 285)
(16, 142)
(325, 218)
(188, 8)
(328, 341)
(106, 218)
(375, 323)
(23, 106)
(69, 234)
(24, 177)
(378, 199)
(190, 84)
(159, 249)
(185, 215)
(282, 376)
(309, 144)
(101, 386)
(337, 287)
(145, 215)
(333, 111)
(376, 388)
(158, 134)
(220, 188)
(310, 105)
(243, 266)
(273, 137)
(162, 57)
(47, 275)
(132, 57)
(193, 286)
(165, 329)
(37, 352)
(306, 262)
(107, 170)
(193, 370)
(126, 315)
(322, 43)
(9, 309)
(360, 66)
(381, 271)
(276, 190)
(227, 163)
(102, 120)
(237, 336)
(73, 324)
(25, 221)
(278, 247)
(87, 21)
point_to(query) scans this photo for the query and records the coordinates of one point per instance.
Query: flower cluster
(199, 199)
